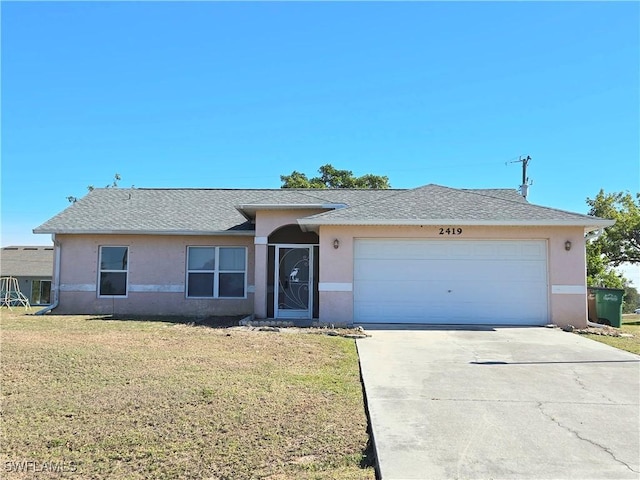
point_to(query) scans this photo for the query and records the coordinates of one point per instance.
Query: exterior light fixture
(567, 245)
(336, 243)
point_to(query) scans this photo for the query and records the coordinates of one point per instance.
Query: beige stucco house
(429, 255)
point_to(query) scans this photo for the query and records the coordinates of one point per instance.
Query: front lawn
(104, 398)
(631, 326)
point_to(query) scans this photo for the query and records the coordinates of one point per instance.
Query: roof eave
(148, 232)
(589, 225)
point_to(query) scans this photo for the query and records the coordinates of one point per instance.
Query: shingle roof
(25, 261)
(434, 204)
(229, 211)
(188, 211)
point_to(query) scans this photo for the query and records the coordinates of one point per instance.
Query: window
(40, 292)
(114, 269)
(201, 266)
(216, 272)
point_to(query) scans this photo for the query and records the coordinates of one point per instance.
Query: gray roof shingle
(217, 211)
(25, 261)
(195, 211)
(435, 204)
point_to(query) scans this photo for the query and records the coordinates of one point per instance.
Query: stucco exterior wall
(566, 269)
(267, 221)
(157, 276)
(157, 269)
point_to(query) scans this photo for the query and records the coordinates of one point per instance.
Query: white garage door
(450, 282)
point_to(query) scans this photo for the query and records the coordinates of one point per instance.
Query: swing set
(10, 294)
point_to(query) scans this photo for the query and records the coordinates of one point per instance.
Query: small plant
(91, 188)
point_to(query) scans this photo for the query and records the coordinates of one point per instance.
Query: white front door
(293, 281)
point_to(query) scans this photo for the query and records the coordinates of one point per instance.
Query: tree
(619, 243)
(599, 272)
(631, 299)
(330, 177)
(300, 180)
(90, 188)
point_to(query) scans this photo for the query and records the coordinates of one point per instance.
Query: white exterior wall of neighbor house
(157, 276)
(565, 269)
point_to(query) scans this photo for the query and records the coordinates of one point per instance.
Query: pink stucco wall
(267, 221)
(157, 265)
(565, 268)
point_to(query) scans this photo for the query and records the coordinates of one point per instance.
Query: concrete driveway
(501, 403)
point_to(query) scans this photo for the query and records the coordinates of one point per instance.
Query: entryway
(293, 280)
(292, 274)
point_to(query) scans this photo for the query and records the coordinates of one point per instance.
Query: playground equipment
(10, 294)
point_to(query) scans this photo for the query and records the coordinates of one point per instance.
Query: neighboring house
(33, 268)
(432, 255)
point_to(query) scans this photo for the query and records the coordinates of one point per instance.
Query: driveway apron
(500, 403)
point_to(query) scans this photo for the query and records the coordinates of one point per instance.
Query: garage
(500, 282)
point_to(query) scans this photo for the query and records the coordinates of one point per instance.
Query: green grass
(138, 399)
(630, 325)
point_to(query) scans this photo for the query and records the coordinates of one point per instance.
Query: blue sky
(218, 94)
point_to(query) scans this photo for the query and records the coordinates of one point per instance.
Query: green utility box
(605, 305)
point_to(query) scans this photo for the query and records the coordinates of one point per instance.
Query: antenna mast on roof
(524, 187)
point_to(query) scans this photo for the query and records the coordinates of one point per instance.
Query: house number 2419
(451, 231)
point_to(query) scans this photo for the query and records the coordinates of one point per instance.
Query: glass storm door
(293, 279)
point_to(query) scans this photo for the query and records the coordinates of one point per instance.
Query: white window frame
(101, 271)
(216, 271)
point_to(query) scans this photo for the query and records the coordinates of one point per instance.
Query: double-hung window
(114, 271)
(216, 272)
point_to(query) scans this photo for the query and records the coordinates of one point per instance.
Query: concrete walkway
(503, 403)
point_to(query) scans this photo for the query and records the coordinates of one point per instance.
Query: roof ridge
(28, 246)
(474, 191)
(363, 204)
(519, 202)
(397, 192)
(308, 192)
(208, 189)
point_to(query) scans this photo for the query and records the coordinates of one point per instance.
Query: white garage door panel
(443, 314)
(442, 270)
(453, 281)
(409, 292)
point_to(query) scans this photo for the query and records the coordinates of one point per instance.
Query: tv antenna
(524, 187)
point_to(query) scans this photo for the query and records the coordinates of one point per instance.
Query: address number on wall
(450, 231)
